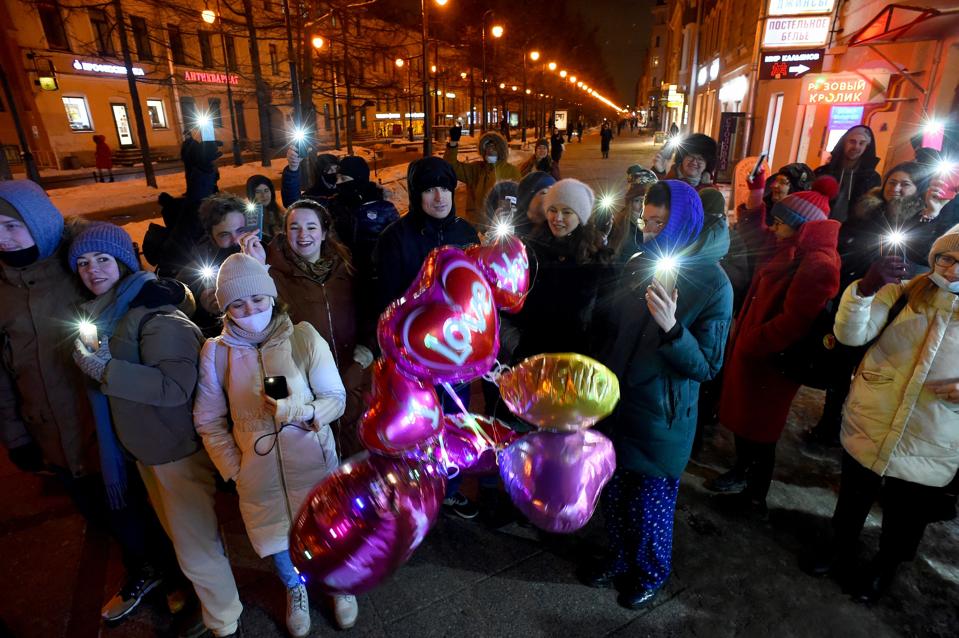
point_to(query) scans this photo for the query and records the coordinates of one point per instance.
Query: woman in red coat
(789, 290)
(104, 158)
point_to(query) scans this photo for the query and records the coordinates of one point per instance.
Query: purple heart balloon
(469, 451)
(363, 521)
(555, 478)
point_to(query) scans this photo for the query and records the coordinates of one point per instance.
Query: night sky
(623, 33)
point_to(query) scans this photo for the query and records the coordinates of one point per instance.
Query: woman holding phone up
(280, 443)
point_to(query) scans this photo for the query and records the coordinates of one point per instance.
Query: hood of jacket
(498, 142)
(867, 161)
(818, 235)
(256, 180)
(873, 205)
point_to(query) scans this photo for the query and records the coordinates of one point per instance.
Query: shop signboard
(104, 69)
(730, 131)
(204, 77)
(675, 99)
(559, 120)
(844, 88)
(791, 33)
(800, 7)
(789, 65)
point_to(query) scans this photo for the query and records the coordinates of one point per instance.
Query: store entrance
(122, 122)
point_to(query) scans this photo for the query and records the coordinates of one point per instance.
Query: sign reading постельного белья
(844, 88)
(781, 33)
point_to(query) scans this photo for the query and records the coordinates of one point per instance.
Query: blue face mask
(945, 284)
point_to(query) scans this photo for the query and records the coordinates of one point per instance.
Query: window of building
(657, 42)
(101, 32)
(240, 119)
(230, 45)
(268, 5)
(157, 114)
(176, 44)
(78, 115)
(52, 23)
(215, 112)
(274, 60)
(188, 107)
(206, 49)
(141, 37)
(327, 123)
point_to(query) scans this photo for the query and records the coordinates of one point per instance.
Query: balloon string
(468, 419)
(450, 469)
(496, 372)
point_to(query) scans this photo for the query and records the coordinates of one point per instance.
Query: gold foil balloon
(566, 392)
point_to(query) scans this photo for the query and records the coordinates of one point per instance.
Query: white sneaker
(345, 610)
(297, 611)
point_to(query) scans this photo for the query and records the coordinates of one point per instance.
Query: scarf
(106, 311)
(318, 271)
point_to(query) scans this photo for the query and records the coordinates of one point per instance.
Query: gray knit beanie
(242, 276)
(947, 243)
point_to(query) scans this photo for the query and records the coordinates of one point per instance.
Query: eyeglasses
(945, 261)
(778, 222)
(650, 224)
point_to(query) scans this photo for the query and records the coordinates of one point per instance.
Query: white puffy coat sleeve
(329, 395)
(210, 415)
(859, 320)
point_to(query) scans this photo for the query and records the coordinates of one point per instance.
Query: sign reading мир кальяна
(800, 7)
(789, 65)
(844, 88)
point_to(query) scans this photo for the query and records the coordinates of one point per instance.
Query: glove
(758, 183)
(27, 458)
(286, 411)
(456, 132)
(363, 356)
(887, 270)
(93, 364)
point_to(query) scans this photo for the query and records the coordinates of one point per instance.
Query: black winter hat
(325, 161)
(697, 144)
(355, 168)
(529, 186)
(426, 173)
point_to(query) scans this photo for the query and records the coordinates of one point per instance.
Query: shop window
(188, 107)
(78, 114)
(52, 22)
(141, 37)
(216, 113)
(101, 32)
(176, 44)
(230, 46)
(157, 114)
(206, 49)
(274, 60)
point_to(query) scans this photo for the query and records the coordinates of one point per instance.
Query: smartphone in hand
(254, 220)
(275, 388)
(206, 130)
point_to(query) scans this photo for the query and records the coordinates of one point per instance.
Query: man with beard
(895, 224)
(852, 163)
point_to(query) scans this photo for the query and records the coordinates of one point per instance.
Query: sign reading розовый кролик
(844, 88)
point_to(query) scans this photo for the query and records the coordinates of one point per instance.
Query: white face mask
(492, 159)
(945, 284)
(254, 323)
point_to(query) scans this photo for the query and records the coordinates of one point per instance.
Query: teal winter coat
(660, 373)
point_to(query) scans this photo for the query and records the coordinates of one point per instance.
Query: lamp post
(408, 120)
(318, 43)
(210, 17)
(497, 32)
(534, 56)
(427, 142)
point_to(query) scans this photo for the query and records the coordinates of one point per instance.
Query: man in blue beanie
(45, 419)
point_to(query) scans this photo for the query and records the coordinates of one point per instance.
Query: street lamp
(408, 119)
(533, 55)
(427, 142)
(496, 32)
(210, 17)
(551, 66)
(317, 42)
(563, 73)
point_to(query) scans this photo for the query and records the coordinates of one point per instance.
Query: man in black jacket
(852, 163)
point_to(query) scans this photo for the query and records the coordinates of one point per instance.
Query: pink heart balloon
(555, 478)
(364, 520)
(506, 266)
(403, 412)
(469, 451)
(445, 328)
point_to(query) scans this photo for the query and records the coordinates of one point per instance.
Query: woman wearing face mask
(260, 190)
(540, 160)
(482, 174)
(322, 176)
(694, 160)
(276, 449)
(788, 292)
(900, 430)
(312, 268)
(145, 368)
(661, 344)
(572, 262)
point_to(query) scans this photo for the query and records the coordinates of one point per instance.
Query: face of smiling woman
(99, 272)
(562, 220)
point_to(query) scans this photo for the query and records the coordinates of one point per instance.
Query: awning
(901, 23)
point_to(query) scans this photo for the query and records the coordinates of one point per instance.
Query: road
(732, 576)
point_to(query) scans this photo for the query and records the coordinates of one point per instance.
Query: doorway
(122, 122)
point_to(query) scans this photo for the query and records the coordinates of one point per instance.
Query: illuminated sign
(800, 7)
(211, 78)
(790, 64)
(674, 99)
(784, 33)
(106, 69)
(844, 88)
(397, 116)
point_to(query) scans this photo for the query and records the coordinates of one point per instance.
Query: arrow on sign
(799, 68)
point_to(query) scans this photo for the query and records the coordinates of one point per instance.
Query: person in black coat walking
(605, 137)
(200, 172)
(852, 163)
(556, 145)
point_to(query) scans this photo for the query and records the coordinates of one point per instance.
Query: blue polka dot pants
(639, 512)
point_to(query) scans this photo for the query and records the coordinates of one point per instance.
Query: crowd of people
(243, 362)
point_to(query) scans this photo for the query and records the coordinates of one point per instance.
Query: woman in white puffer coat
(900, 431)
(276, 449)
